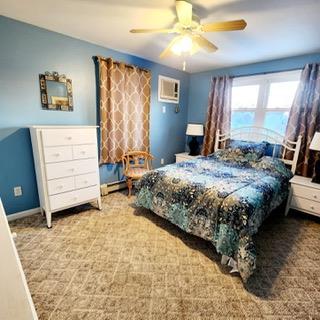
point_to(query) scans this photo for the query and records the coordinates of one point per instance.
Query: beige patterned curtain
(304, 117)
(219, 111)
(124, 109)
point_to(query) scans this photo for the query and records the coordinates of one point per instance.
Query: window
(263, 100)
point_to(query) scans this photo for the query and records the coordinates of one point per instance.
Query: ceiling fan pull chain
(184, 65)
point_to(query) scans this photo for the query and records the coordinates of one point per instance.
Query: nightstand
(184, 156)
(304, 196)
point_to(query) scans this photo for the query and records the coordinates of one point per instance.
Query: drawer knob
(315, 196)
(72, 169)
(69, 138)
(75, 198)
(85, 181)
(83, 152)
(312, 207)
(60, 187)
(57, 154)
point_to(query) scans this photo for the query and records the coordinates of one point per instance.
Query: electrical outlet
(164, 109)
(162, 161)
(17, 191)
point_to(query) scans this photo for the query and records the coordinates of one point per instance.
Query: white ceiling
(276, 28)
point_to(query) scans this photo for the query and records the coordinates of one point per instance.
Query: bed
(225, 197)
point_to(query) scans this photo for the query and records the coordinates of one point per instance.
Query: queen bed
(225, 197)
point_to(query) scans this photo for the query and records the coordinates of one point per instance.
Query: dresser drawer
(61, 185)
(305, 192)
(70, 168)
(56, 137)
(86, 180)
(305, 204)
(57, 154)
(72, 198)
(85, 151)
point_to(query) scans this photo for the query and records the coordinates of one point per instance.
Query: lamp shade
(315, 143)
(194, 129)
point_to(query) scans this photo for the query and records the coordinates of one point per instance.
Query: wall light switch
(17, 191)
(164, 109)
(162, 161)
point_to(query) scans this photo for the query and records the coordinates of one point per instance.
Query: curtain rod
(268, 72)
(118, 62)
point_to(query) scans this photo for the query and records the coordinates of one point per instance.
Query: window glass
(276, 120)
(244, 97)
(264, 100)
(242, 119)
(281, 94)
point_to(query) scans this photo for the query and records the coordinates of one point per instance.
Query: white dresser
(184, 156)
(66, 163)
(304, 196)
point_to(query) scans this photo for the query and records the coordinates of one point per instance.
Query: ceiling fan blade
(204, 43)
(184, 12)
(195, 48)
(167, 51)
(224, 26)
(152, 30)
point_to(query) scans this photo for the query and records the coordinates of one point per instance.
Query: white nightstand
(184, 156)
(304, 196)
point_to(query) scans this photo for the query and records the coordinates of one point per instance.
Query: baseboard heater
(111, 187)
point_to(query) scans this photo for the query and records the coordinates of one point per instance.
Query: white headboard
(263, 134)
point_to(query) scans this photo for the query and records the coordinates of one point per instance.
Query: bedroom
(158, 254)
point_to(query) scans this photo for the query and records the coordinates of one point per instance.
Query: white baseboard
(22, 214)
(105, 189)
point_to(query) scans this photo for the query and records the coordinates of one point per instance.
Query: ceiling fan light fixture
(189, 30)
(184, 45)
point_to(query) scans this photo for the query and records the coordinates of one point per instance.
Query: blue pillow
(273, 153)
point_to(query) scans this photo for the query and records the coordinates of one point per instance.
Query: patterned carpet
(127, 263)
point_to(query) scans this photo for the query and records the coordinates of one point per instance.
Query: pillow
(273, 153)
(273, 165)
(231, 155)
(251, 150)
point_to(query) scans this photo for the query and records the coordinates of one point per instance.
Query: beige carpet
(127, 263)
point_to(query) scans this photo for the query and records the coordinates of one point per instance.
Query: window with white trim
(263, 100)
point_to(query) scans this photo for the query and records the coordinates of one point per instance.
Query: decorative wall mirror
(56, 92)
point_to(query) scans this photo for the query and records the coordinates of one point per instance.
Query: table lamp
(194, 130)
(315, 145)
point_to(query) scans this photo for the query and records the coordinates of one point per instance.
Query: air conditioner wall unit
(168, 89)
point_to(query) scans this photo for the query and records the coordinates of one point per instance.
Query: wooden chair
(135, 165)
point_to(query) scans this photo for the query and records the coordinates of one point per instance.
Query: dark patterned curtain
(304, 117)
(219, 111)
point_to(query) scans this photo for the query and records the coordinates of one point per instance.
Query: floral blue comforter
(220, 200)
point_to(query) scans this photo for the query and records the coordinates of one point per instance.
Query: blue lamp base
(316, 176)
(194, 147)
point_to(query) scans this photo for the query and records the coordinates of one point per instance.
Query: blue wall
(200, 82)
(27, 51)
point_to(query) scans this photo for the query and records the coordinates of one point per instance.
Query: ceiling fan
(189, 29)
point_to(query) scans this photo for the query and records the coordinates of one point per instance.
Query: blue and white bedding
(223, 198)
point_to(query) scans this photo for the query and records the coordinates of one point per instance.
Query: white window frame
(264, 81)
